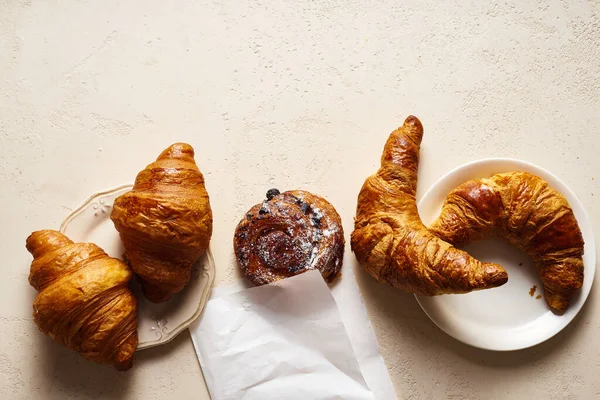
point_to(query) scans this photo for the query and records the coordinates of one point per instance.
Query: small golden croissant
(84, 301)
(523, 209)
(165, 222)
(391, 242)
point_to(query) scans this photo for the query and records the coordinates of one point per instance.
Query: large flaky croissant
(84, 301)
(391, 242)
(165, 222)
(523, 209)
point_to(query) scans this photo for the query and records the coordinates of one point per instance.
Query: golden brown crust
(165, 222)
(523, 209)
(288, 234)
(389, 239)
(84, 301)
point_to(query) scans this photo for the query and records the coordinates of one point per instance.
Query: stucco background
(295, 95)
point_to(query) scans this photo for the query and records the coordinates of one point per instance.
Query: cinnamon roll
(287, 234)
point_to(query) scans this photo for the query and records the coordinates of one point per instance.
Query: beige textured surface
(296, 95)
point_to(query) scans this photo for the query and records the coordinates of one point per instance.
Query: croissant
(523, 209)
(287, 234)
(391, 242)
(84, 301)
(165, 222)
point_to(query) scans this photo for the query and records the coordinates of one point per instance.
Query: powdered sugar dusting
(287, 234)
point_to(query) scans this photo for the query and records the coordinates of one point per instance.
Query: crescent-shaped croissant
(391, 242)
(523, 209)
(165, 222)
(84, 301)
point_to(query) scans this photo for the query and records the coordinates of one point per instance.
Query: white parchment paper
(353, 315)
(280, 341)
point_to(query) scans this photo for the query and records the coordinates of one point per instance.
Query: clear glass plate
(158, 323)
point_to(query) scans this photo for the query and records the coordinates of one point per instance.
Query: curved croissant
(84, 301)
(288, 234)
(526, 211)
(165, 222)
(391, 242)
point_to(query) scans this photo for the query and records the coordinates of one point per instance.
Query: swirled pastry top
(288, 234)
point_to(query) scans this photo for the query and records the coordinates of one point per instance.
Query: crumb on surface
(532, 290)
(539, 296)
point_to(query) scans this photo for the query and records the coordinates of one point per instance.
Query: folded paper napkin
(285, 340)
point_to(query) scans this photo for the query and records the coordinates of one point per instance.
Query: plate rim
(209, 271)
(185, 324)
(585, 291)
(88, 201)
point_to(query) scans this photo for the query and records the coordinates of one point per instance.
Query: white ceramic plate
(158, 323)
(507, 317)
